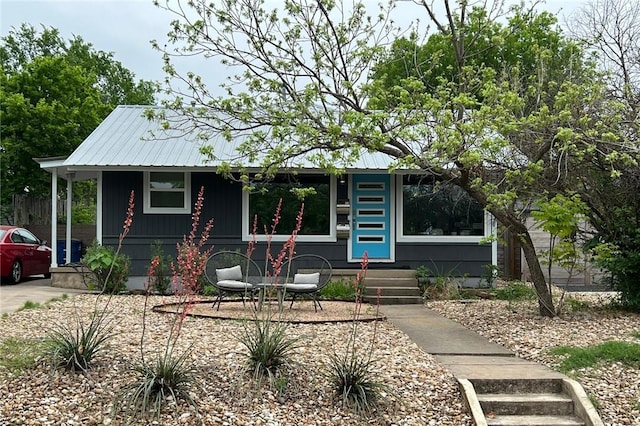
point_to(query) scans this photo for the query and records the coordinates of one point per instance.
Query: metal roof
(127, 139)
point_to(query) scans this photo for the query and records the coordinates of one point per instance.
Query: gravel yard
(421, 392)
(518, 327)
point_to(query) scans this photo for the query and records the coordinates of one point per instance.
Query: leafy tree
(506, 133)
(53, 94)
(611, 31)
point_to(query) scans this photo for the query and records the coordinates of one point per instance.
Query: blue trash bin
(76, 251)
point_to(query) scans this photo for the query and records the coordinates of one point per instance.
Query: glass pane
(167, 199)
(166, 180)
(315, 220)
(437, 208)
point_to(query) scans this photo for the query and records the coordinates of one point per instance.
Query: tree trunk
(545, 301)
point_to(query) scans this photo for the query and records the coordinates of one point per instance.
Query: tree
(305, 88)
(53, 94)
(611, 31)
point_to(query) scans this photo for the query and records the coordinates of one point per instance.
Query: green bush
(162, 273)
(515, 291)
(338, 290)
(110, 269)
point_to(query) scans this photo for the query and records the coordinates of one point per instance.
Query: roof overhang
(56, 164)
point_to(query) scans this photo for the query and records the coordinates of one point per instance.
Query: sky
(126, 27)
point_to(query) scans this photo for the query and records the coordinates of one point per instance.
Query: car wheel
(16, 272)
(47, 275)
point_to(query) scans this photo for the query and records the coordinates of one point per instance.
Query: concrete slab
(37, 290)
(487, 367)
(438, 335)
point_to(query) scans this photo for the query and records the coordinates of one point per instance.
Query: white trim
(99, 214)
(68, 251)
(186, 209)
(330, 237)
(433, 238)
(54, 218)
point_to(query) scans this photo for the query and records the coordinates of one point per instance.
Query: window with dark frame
(433, 207)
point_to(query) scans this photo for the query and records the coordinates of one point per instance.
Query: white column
(494, 242)
(54, 218)
(99, 209)
(68, 230)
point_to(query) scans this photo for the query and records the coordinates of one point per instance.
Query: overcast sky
(126, 27)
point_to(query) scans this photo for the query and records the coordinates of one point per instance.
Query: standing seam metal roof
(128, 139)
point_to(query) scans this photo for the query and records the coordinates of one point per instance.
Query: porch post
(494, 242)
(99, 209)
(68, 230)
(54, 218)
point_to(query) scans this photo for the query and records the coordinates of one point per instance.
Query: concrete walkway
(463, 352)
(36, 290)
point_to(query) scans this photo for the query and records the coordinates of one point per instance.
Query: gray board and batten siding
(223, 204)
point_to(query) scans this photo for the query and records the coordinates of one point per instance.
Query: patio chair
(307, 275)
(232, 272)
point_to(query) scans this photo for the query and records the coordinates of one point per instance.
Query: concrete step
(390, 282)
(392, 291)
(375, 273)
(514, 386)
(534, 421)
(393, 300)
(556, 404)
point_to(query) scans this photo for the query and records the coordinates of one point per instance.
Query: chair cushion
(234, 285)
(232, 273)
(307, 278)
(301, 288)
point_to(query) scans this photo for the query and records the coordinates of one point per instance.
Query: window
(432, 209)
(318, 220)
(167, 192)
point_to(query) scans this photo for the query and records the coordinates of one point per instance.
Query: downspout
(54, 217)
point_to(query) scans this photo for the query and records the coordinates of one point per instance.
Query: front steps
(528, 402)
(396, 286)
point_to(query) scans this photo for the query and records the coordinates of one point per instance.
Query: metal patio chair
(306, 275)
(232, 272)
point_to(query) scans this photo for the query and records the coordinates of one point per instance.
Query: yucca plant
(74, 347)
(169, 377)
(269, 347)
(355, 382)
(352, 376)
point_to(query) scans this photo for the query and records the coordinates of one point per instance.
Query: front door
(371, 221)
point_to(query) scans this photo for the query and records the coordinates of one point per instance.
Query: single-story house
(402, 219)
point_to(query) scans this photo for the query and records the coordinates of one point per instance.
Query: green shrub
(576, 305)
(515, 291)
(355, 382)
(168, 378)
(338, 290)
(19, 354)
(162, 273)
(74, 346)
(109, 268)
(441, 288)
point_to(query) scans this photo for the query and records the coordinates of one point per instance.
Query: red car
(22, 254)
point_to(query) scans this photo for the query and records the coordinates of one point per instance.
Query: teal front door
(371, 218)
